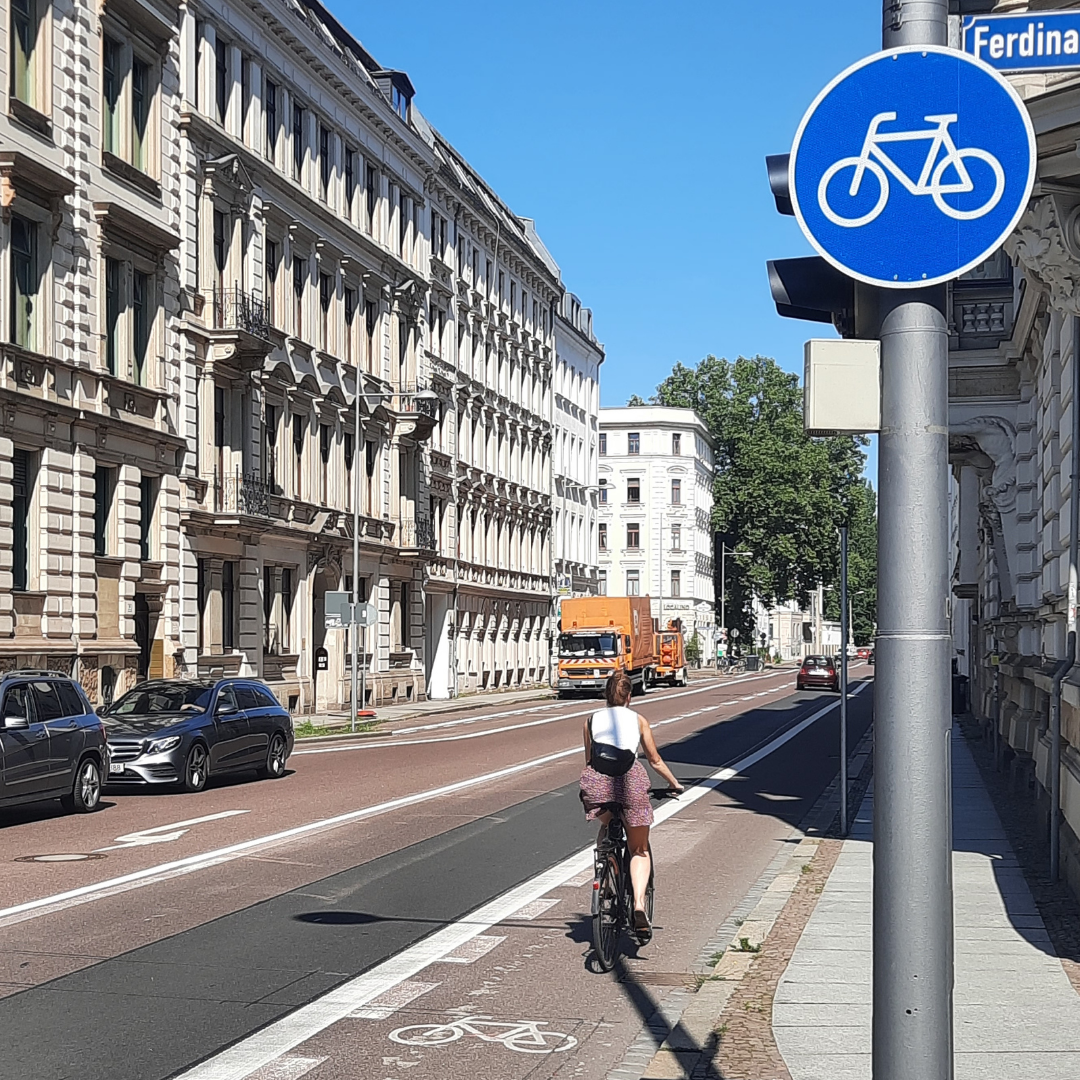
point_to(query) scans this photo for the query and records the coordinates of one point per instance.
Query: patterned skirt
(630, 791)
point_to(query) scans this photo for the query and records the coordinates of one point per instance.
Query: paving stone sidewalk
(1017, 1016)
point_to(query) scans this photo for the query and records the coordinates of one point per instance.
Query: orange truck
(671, 663)
(602, 634)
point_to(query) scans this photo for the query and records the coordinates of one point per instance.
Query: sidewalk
(1017, 1015)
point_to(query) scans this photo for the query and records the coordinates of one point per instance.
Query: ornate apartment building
(654, 524)
(1015, 326)
(227, 228)
(576, 404)
(91, 446)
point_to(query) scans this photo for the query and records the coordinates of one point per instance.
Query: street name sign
(1026, 41)
(912, 166)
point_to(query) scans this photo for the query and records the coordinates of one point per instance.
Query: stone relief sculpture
(1042, 246)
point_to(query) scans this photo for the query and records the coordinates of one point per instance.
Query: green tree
(693, 651)
(778, 493)
(636, 399)
(861, 506)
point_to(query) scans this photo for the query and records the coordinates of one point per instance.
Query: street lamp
(723, 582)
(359, 461)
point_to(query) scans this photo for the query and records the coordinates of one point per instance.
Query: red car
(818, 673)
(864, 653)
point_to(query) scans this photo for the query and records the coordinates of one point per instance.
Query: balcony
(416, 534)
(241, 495)
(242, 328)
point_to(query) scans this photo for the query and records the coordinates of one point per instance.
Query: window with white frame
(633, 582)
(130, 314)
(26, 272)
(129, 90)
(28, 53)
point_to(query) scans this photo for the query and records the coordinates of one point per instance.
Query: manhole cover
(62, 856)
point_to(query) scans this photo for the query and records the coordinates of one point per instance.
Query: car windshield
(150, 701)
(817, 662)
(588, 645)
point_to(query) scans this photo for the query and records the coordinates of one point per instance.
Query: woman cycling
(613, 774)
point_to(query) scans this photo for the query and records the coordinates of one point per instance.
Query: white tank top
(616, 726)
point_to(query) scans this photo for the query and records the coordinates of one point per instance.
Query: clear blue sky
(635, 134)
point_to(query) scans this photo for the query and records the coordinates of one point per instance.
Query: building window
(22, 493)
(129, 321)
(26, 25)
(601, 536)
(221, 79)
(633, 582)
(601, 583)
(371, 318)
(350, 304)
(350, 180)
(270, 107)
(140, 112)
(324, 462)
(349, 453)
(104, 484)
(141, 319)
(111, 81)
(371, 494)
(400, 103)
(633, 536)
(438, 235)
(298, 142)
(269, 447)
(285, 629)
(298, 456)
(299, 267)
(602, 493)
(676, 444)
(403, 220)
(676, 491)
(633, 442)
(371, 189)
(112, 314)
(200, 604)
(325, 162)
(229, 607)
(602, 444)
(221, 257)
(271, 258)
(633, 490)
(676, 538)
(147, 504)
(26, 323)
(676, 583)
(326, 296)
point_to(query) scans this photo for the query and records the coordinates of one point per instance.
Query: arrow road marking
(161, 834)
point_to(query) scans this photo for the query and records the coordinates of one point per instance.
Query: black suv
(52, 744)
(182, 731)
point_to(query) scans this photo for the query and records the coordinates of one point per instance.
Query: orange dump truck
(671, 663)
(602, 634)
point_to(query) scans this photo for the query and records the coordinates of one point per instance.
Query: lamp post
(359, 465)
(724, 553)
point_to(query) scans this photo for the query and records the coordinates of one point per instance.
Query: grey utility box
(841, 387)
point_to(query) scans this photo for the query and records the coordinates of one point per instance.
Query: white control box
(841, 387)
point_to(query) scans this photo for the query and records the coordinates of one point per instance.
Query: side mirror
(225, 709)
(16, 723)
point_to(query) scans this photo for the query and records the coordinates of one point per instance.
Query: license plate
(115, 767)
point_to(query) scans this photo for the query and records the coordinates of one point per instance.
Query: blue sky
(635, 134)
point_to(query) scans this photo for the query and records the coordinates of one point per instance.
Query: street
(262, 915)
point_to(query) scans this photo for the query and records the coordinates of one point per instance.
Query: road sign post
(908, 170)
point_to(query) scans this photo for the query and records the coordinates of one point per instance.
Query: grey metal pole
(913, 896)
(844, 628)
(359, 460)
(723, 597)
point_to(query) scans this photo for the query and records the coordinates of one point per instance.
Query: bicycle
(613, 894)
(525, 1036)
(930, 177)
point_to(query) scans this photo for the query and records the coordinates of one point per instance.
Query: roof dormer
(398, 89)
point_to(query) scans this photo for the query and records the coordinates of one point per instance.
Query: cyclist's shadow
(579, 930)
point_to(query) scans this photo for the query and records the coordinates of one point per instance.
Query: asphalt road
(247, 909)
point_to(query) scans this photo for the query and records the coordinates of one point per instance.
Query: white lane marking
(161, 834)
(243, 1058)
(380, 745)
(153, 875)
(535, 909)
(584, 878)
(479, 947)
(288, 1068)
(385, 1005)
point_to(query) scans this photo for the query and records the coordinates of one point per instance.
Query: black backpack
(610, 760)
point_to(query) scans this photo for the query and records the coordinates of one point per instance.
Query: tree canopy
(778, 494)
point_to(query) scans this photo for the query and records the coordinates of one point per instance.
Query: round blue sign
(912, 166)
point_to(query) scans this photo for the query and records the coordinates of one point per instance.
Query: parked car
(183, 731)
(864, 652)
(52, 743)
(818, 673)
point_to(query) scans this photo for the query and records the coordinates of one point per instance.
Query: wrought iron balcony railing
(240, 494)
(235, 309)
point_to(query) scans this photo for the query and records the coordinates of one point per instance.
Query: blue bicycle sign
(912, 167)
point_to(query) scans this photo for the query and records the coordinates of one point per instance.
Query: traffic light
(807, 288)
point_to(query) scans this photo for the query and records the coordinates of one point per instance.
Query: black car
(52, 743)
(183, 731)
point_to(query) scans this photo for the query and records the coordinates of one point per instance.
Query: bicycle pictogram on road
(873, 159)
(524, 1036)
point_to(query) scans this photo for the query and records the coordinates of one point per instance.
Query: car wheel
(196, 769)
(85, 795)
(274, 768)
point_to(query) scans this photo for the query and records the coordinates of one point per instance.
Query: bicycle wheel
(607, 911)
(535, 1041)
(426, 1034)
(871, 167)
(995, 197)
